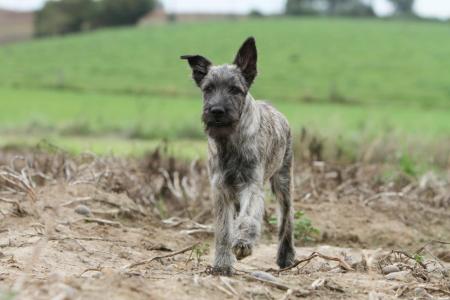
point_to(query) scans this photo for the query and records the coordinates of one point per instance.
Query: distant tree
(355, 8)
(67, 16)
(122, 12)
(333, 6)
(255, 14)
(302, 7)
(60, 17)
(329, 7)
(403, 7)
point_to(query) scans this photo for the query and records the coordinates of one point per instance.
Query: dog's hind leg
(281, 184)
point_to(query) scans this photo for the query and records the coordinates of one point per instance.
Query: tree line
(67, 16)
(344, 7)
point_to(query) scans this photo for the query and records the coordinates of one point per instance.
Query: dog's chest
(238, 170)
(234, 168)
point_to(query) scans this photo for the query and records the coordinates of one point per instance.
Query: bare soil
(72, 228)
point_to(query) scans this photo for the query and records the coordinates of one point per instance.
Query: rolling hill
(355, 61)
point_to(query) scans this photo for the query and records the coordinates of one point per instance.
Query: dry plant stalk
(143, 262)
(103, 222)
(85, 238)
(430, 243)
(313, 255)
(19, 181)
(275, 284)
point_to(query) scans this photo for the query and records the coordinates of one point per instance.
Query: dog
(249, 144)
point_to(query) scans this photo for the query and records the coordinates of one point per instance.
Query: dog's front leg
(224, 210)
(248, 223)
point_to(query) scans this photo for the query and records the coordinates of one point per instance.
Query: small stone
(96, 274)
(263, 275)
(434, 268)
(125, 254)
(421, 293)
(299, 293)
(92, 274)
(171, 267)
(444, 256)
(337, 270)
(333, 286)
(332, 175)
(196, 280)
(373, 257)
(67, 292)
(377, 296)
(56, 276)
(60, 228)
(326, 283)
(318, 283)
(390, 269)
(108, 271)
(401, 276)
(83, 210)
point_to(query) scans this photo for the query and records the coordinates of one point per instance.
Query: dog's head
(224, 88)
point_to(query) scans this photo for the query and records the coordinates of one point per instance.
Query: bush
(303, 229)
(61, 17)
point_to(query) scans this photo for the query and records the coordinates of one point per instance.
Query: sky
(425, 8)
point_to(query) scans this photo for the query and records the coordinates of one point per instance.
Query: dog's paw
(222, 271)
(242, 248)
(286, 258)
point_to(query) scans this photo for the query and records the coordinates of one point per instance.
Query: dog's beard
(219, 128)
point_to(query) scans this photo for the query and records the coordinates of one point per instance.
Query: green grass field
(69, 113)
(359, 60)
(336, 77)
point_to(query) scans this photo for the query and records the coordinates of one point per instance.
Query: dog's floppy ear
(199, 65)
(246, 60)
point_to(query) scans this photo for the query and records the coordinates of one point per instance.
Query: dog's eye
(235, 90)
(208, 89)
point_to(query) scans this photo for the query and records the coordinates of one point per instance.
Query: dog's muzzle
(218, 121)
(217, 117)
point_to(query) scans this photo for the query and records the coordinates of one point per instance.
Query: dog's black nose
(217, 110)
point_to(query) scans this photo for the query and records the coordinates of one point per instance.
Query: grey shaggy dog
(249, 144)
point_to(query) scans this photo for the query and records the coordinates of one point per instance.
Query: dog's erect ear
(199, 66)
(246, 60)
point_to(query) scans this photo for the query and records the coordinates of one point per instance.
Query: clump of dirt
(77, 227)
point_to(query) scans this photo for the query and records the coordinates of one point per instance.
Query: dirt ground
(99, 227)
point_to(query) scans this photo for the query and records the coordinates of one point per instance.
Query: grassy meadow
(126, 89)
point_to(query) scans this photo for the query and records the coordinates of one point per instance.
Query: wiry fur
(249, 144)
